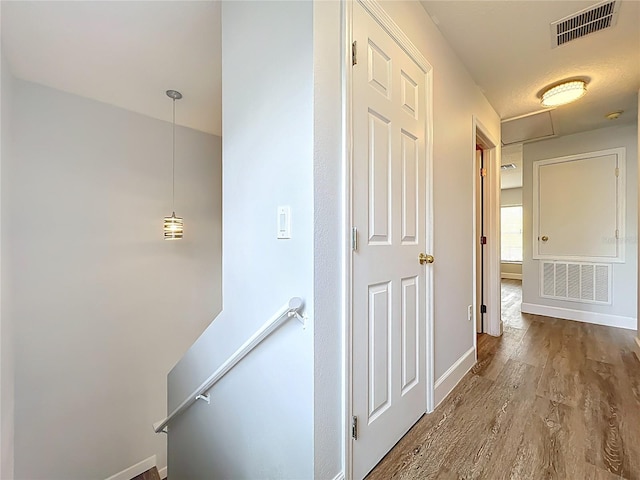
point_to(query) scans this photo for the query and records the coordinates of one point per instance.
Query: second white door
(389, 291)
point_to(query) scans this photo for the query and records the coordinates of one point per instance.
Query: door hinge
(354, 53)
(483, 309)
(354, 427)
(354, 239)
(483, 240)
(617, 234)
(617, 172)
(483, 172)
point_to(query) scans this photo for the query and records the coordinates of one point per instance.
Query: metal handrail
(291, 309)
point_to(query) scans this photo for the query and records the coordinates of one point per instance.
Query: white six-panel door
(389, 290)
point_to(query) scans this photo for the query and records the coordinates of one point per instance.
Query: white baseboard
(163, 473)
(452, 377)
(580, 315)
(134, 471)
(511, 276)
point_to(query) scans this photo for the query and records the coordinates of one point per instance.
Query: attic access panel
(527, 128)
(578, 207)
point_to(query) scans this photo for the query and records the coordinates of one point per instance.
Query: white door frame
(378, 13)
(477, 248)
(481, 136)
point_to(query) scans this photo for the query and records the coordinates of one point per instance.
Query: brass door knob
(544, 238)
(425, 258)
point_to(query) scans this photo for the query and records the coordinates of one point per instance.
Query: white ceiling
(125, 53)
(506, 46)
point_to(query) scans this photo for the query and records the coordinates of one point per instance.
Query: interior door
(389, 294)
(578, 207)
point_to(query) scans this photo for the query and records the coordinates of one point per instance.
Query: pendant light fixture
(173, 226)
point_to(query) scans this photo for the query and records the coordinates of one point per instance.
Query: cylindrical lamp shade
(173, 227)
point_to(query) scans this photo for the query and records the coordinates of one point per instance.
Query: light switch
(284, 222)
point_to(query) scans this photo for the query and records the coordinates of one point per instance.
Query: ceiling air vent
(593, 19)
(508, 166)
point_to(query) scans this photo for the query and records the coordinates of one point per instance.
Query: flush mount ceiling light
(564, 93)
(173, 226)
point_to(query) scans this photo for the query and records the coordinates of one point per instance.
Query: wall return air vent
(576, 281)
(593, 19)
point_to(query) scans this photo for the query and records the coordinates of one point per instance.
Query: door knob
(544, 238)
(425, 258)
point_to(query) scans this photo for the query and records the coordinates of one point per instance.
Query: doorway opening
(511, 233)
(486, 248)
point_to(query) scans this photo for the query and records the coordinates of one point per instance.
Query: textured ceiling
(506, 46)
(124, 53)
(128, 53)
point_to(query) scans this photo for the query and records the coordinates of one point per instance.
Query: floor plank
(421, 453)
(601, 407)
(550, 399)
(560, 380)
(511, 291)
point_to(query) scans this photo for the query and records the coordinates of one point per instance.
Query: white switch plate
(284, 222)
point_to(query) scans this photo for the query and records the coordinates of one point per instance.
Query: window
(511, 238)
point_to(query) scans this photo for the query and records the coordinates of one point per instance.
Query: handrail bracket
(295, 305)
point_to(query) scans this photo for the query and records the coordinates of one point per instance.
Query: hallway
(551, 398)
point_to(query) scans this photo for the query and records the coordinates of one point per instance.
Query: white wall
(327, 275)
(6, 330)
(456, 100)
(511, 270)
(103, 306)
(624, 274)
(510, 196)
(329, 240)
(260, 421)
(512, 178)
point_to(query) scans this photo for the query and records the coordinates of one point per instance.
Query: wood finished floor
(550, 399)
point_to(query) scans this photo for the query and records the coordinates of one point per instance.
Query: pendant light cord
(173, 187)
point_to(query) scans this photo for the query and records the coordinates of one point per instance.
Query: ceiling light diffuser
(564, 93)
